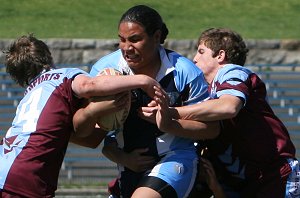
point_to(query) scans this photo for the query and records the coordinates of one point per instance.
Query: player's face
(138, 49)
(205, 61)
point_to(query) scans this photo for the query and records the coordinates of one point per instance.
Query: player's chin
(133, 63)
(134, 66)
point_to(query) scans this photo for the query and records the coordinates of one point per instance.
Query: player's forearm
(91, 141)
(113, 153)
(110, 85)
(211, 110)
(83, 123)
(193, 129)
(114, 84)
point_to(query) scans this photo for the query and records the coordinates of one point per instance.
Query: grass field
(255, 19)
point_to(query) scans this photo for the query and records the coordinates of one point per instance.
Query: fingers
(148, 109)
(208, 167)
(161, 97)
(152, 103)
(148, 113)
(159, 89)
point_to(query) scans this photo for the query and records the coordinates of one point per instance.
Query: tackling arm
(225, 107)
(85, 86)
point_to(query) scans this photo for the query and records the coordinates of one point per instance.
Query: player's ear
(157, 35)
(221, 56)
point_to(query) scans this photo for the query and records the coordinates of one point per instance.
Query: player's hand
(149, 113)
(149, 84)
(210, 174)
(99, 106)
(138, 162)
(163, 116)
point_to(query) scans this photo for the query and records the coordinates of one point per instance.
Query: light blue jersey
(184, 82)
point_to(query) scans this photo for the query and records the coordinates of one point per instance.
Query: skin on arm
(179, 127)
(92, 140)
(86, 87)
(225, 107)
(149, 113)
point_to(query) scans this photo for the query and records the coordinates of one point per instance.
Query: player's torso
(138, 133)
(35, 144)
(252, 137)
(174, 78)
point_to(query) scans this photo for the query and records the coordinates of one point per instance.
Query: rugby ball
(113, 120)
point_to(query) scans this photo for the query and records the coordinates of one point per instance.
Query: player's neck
(151, 69)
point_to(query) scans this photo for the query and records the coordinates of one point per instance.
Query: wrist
(143, 80)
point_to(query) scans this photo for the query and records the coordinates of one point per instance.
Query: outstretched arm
(225, 107)
(179, 127)
(85, 86)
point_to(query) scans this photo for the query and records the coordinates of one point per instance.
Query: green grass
(255, 19)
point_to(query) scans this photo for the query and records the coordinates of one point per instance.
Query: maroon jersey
(254, 141)
(32, 151)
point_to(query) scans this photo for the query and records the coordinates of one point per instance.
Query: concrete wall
(88, 51)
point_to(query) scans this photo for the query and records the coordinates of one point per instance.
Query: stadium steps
(82, 192)
(86, 165)
(283, 86)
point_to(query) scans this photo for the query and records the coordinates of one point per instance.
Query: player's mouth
(132, 58)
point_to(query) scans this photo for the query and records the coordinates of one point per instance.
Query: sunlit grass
(268, 19)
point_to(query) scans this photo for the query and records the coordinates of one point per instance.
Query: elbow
(209, 130)
(230, 112)
(231, 109)
(84, 89)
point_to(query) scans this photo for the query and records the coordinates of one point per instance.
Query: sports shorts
(178, 169)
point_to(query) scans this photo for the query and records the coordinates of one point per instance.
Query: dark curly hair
(225, 39)
(26, 58)
(148, 18)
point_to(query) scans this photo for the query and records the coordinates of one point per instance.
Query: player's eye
(201, 51)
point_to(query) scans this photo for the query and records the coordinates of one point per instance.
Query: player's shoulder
(69, 72)
(109, 59)
(233, 71)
